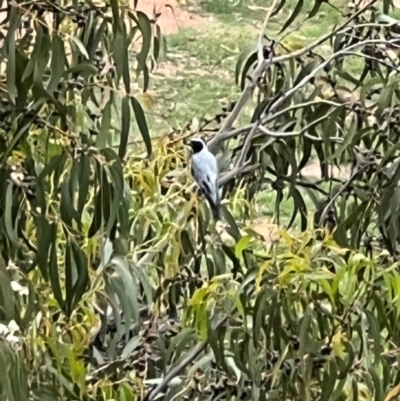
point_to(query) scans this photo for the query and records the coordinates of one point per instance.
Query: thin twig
(366, 56)
(247, 143)
(236, 171)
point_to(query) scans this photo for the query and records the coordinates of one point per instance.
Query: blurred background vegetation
(115, 282)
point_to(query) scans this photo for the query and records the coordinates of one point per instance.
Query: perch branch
(236, 171)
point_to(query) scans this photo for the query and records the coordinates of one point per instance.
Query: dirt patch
(313, 170)
(172, 17)
(269, 231)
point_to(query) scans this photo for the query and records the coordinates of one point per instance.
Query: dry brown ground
(172, 18)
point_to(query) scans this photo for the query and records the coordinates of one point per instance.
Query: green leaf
(259, 315)
(180, 342)
(376, 335)
(142, 124)
(15, 19)
(23, 87)
(82, 280)
(8, 308)
(8, 215)
(232, 228)
(132, 344)
(329, 380)
(144, 25)
(84, 177)
(86, 69)
(126, 288)
(348, 138)
(104, 133)
(115, 12)
(34, 55)
(305, 71)
(315, 9)
(242, 245)
(278, 8)
(304, 327)
(212, 339)
(117, 180)
(246, 53)
(385, 98)
(53, 267)
(67, 210)
(125, 124)
(70, 276)
(100, 202)
(299, 205)
(121, 59)
(80, 46)
(42, 59)
(13, 385)
(43, 239)
(295, 13)
(249, 64)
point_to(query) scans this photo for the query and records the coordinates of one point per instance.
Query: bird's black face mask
(196, 146)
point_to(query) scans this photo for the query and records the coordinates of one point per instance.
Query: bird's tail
(216, 211)
(214, 206)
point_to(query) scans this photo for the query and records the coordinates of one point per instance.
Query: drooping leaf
(293, 16)
(125, 125)
(53, 267)
(104, 135)
(142, 124)
(246, 53)
(9, 216)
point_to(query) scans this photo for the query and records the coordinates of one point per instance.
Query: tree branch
(249, 89)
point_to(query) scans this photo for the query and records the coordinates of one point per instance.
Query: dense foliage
(311, 107)
(116, 283)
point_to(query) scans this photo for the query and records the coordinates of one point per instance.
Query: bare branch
(236, 171)
(249, 89)
(307, 78)
(247, 143)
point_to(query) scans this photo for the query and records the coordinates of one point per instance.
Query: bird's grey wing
(196, 169)
(205, 172)
(215, 176)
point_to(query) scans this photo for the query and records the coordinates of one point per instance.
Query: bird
(205, 172)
